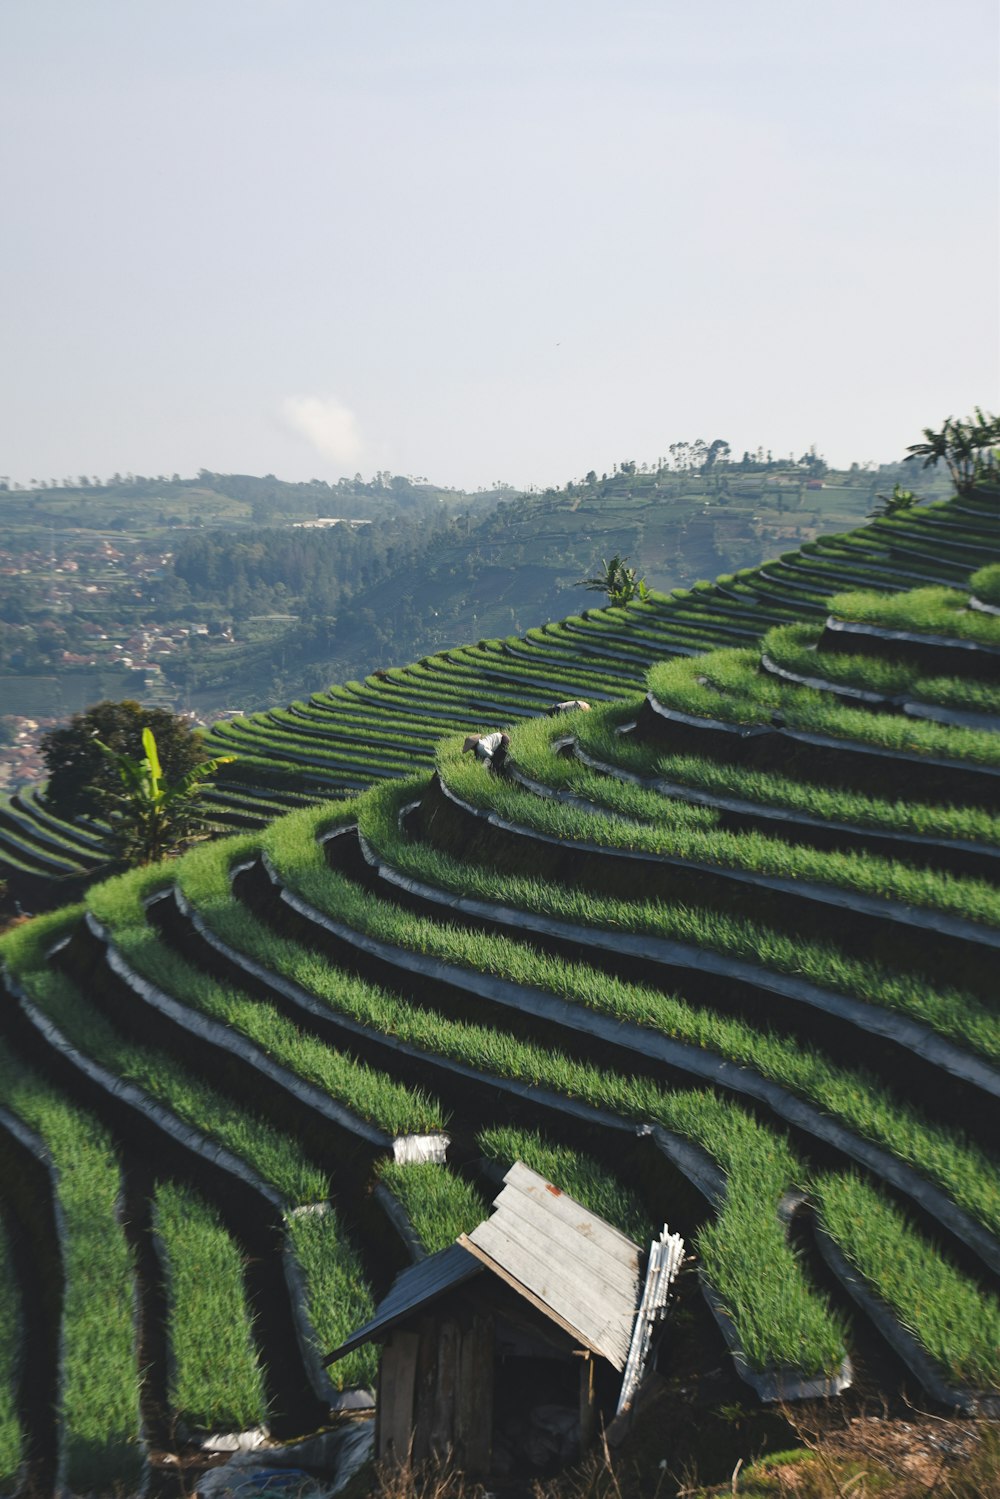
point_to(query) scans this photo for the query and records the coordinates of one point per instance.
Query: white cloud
(328, 424)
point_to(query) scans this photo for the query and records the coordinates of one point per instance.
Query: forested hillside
(229, 591)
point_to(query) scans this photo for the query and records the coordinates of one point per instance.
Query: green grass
(726, 685)
(686, 832)
(11, 1435)
(722, 1247)
(934, 611)
(577, 1174)
(339, 1299)
(99, 1398)
(960, 1016)
(216, 1380)
(956, 1320)
(439, 1204)
(985, 584)
(595, 734)
(797, 1324)
(943, 1155)
(335, 1283)
(370, 1094)
(794, 648)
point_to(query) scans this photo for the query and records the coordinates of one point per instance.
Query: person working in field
(572, 705)
(491, 748)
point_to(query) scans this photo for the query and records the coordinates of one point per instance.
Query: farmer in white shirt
(490, 748)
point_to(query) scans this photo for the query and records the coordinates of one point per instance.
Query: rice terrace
(720, 952)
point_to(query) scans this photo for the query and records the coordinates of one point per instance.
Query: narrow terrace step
(608, 1135)
(937, 654)
(822, 757)
(955, 855)
(577, 940)
(946, 947)
(251, 1209)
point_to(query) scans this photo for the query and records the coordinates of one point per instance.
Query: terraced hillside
(719, 952)
(341, 741)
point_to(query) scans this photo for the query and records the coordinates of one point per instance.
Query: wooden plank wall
(435, 1392)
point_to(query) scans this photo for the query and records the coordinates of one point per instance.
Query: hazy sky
(490, 242)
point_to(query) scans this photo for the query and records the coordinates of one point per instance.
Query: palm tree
(150, 819)
(962, 446)
(618, 581)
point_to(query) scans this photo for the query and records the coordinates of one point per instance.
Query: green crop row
(793, 647)
(323, 1248)
(24, 822)
(22, 847)
(957, 543)
(542, 652)
(780, 1319)
(727, 685)
(985, 584)
(595, 732)
(955, 1319)
(286, 775)
(216, 1382)
(575, 678)
(685, 832)
(302, 750)
(398, 1110)
(964, 1171)
(86, 838)
(556, 687)
(936, 611)
(859, 1102)
(652, 641)
(953, 1013)
(456, 677)
(634, 647)
(308, 733)
(561, 643)
(448, 709)
(11, 1434)
(99, 1398)
(351, 701)
(439, 1204)
(342, 738)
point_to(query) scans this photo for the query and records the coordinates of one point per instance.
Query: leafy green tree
(149, 817)
(619, 582)
(968, 448)
(80, 778)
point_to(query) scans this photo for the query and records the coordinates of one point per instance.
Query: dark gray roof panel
(413, 1288)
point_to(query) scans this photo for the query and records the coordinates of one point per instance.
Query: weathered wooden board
(618, 1273)
(474, 1403)
(525, 1262)
(522, 1181)
(397, 1379)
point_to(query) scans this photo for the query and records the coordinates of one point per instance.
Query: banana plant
(969, 449)
(149, 818)
(619, 582)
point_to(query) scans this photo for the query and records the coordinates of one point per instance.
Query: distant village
(70, 578)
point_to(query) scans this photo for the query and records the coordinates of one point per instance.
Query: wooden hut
(502, 1349)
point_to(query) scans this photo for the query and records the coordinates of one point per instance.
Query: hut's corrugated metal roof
(413, 1288)
(576, 1269)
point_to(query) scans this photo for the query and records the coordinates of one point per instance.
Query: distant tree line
(320, 569)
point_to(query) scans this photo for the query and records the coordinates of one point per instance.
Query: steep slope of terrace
(616, 1025)
(703, 982)
(343, 740)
